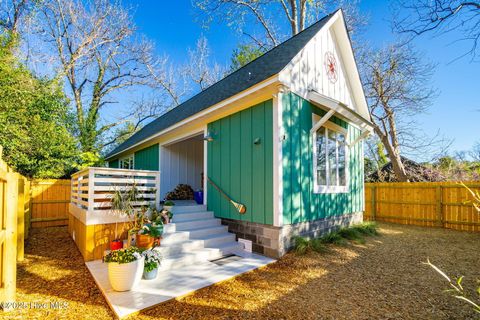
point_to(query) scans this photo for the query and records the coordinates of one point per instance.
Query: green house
(282, 136)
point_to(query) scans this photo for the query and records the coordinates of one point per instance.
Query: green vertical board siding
(147, 158)
(242, 169)
(113, 163)
(300, 203)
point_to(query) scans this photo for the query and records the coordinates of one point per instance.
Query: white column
(278, 138)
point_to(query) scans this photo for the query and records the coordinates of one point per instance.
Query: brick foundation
(274, 241)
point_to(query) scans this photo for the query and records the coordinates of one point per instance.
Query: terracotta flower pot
(144, 241)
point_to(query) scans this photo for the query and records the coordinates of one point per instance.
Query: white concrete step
(168, 250)
(195, 224)
(229, 247)
(169, 228)
(202, 231)
(174, 237)
(189, 258)
(199, 255)
(185, 216)
(191, 208)
(215, 240)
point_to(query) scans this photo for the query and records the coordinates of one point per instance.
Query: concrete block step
(192, 208)
(185, 216)
(195, 224)
(203, 232)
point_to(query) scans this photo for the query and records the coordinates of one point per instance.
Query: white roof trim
(204, 112)
(335, 106)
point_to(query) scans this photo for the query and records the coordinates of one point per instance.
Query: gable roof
(258, 70)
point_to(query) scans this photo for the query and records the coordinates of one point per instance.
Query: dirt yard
(382, 279)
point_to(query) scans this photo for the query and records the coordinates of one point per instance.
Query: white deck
(171, 283)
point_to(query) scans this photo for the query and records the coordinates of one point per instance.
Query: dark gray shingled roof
(260, 69)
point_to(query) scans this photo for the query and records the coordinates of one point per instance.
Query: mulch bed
(381, 279)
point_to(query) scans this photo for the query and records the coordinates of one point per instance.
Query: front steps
(194, 236)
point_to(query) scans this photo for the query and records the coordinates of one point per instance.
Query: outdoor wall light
(208, 137)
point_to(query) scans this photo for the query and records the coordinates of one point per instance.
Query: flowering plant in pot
(153, 260)
(125, 268)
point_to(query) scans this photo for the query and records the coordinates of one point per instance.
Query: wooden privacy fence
(14, 207)
(49, 202)
(430, 204)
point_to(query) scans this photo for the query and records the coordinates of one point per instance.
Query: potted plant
(167, 205)
(153, 259)
(148, 234)
(125, 268)
(121, 203)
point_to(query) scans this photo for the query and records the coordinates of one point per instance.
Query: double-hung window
(330, 158)
(126, 162)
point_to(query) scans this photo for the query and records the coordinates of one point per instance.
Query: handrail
(241, 208)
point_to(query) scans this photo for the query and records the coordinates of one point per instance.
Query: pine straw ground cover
(381, 279)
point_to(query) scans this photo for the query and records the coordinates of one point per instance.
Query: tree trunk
(395, 159)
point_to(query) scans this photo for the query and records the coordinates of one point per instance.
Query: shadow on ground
(381, 279)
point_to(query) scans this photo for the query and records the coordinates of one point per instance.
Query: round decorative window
(331, 67)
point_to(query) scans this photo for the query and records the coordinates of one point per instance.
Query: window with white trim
(126, 162)
(330, 158)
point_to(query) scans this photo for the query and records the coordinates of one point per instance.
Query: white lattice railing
(93, 189)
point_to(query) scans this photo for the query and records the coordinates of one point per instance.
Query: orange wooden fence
(430, 204)
(49, 202)
(14, 207)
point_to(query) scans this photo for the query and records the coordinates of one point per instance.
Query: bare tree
(271, 15)
(199, 69)
(440, 16)
(97, 53)
(396, 86)
(12, 13)
(475, 153)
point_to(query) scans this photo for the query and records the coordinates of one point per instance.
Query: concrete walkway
(172, 283)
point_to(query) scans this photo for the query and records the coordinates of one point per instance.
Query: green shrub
(355, 233)
(334, 238)
(303, 245)
(367, 228)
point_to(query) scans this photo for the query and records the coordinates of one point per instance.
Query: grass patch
(355, 233)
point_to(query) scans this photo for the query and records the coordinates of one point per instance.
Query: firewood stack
(181, 192)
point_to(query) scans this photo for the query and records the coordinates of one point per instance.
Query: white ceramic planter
(125, 276)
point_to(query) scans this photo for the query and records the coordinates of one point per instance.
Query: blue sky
(455, 112)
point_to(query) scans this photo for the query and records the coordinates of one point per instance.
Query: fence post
(27, 207)
(374, 204)
(10, 249)
(438, 200)
(20, 218)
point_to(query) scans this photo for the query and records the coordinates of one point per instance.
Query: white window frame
(329, 188)
(130, 158)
